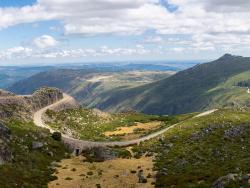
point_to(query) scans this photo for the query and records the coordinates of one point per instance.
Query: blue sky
(52, 31)
(16, 3)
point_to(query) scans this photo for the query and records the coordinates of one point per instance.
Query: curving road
(83, 144)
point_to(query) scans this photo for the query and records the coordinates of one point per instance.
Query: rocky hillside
(22, 107)
(208, 152)
(27, 155)
(5, 152)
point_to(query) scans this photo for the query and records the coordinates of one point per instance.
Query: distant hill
(201, 87)
(11, 74)
(220, 83)
(88, 86)
(64, 79)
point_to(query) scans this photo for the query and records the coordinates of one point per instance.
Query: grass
(200, 150)
(30, 168)
(85, 124)
(229, 94)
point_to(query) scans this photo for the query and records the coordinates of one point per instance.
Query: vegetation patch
(87, 125)
(30, 167)
(202, 151)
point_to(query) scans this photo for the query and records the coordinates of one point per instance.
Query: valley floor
(115, 173)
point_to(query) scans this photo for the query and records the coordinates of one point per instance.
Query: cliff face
(22, 107)
(43, 97)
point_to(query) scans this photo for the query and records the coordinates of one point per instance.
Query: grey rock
(245, 178)
(141, 177)
(198, 135)
(224, 180)
(37, 145)
(50, 153)
(234, 131)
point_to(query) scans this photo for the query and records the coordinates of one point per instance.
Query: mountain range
(205, 86)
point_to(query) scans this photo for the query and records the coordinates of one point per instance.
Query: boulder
(225, 180)
(37, 145)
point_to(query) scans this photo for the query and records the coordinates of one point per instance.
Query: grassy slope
(229, 94)
(85, 124)
(200, 150)
(91, 94)
(62, 78)
(186, 91)
(30, 168)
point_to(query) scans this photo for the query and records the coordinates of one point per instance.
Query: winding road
(80, 145)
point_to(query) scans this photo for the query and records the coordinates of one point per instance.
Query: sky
(69, 31)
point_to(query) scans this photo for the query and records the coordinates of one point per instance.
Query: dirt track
(83, 144)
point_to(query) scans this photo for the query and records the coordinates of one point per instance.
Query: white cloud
(135, 16)
(210, 23)
(153, 39)
(227, 5)
(178, 49)
(22, 52)
(45, 41)
(16, 52)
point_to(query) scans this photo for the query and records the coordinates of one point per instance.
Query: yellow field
(109, 174)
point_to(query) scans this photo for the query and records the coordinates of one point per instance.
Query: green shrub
(57, 136)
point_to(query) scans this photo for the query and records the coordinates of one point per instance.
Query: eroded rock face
(44, 97)
(5, 152)
(23, 107)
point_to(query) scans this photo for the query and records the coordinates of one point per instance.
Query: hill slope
(88, 86)
(204, 86)
(220, 83)
(11, 74)
(210, 151)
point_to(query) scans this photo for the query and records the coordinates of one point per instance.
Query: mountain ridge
(198, 88)
(185, 86)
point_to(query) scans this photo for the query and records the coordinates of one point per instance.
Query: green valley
(95, 125)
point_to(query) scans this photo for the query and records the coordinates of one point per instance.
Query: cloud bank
(209, 24)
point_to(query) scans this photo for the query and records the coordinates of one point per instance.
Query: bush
(57, 136)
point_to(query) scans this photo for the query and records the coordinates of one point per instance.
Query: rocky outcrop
(44, 97)
(23, 107)
(5, 152)
(4, 93)
(14, 106)
(224, 181)
(70, 103)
